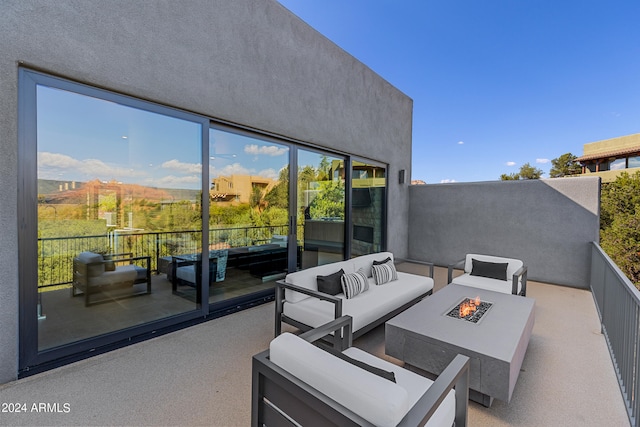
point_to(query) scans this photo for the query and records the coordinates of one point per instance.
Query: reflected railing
(618, 304)
(55, 254)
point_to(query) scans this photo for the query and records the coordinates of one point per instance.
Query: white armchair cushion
(375, 399)
(414, 384)
(502, 286)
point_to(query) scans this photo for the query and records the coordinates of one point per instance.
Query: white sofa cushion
(366, 307)
(375, 399)
(308, 278)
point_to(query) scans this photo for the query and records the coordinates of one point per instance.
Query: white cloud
(178, 166)
(233, 169)
(268, 150)
(542, 161)
(174, 181)
(510, 163)
(447, 181)
(268, 173)
(460, 142)
(52, 165)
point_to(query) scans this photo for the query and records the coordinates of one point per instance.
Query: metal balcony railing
(55, 254)
(618, 304)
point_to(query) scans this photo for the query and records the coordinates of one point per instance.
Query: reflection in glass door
(119, 202)
(368, 207)
(321, 208)
(248, 215)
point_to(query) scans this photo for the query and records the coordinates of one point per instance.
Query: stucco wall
(244, 61)
(549, 224)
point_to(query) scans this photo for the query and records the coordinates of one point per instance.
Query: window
(618, 164)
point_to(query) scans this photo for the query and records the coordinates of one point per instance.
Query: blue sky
(496, 83)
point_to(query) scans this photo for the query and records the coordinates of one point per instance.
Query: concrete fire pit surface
(426, 338)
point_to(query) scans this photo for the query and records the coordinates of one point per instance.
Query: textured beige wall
(613, 144)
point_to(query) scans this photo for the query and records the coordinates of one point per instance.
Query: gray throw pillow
(387, 375)
(330, 284)
(492, 270)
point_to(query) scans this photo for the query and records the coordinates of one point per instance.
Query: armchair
(94, 273)
(499, 274)
(298, 383)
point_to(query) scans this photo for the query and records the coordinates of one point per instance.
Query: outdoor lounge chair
(94, 273)
(298, 383)
(498, 274)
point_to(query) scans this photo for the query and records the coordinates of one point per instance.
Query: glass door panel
(119, 199)
(368, 203)
(321, 208)
(248, 214)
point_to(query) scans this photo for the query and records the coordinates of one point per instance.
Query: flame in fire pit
(467, 308)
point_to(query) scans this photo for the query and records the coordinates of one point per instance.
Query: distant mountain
(54, 191)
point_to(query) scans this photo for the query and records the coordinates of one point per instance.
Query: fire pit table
(495, 335)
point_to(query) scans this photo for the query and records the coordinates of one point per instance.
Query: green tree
(621, 241)
(620, 223)
(278, 196)
(619, 197)
(329, 203)
(565, 165)
(529, 172)
(526, 172)
(509, 177)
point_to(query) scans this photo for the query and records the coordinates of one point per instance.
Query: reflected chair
(94, 273)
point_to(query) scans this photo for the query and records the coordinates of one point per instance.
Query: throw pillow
(384, 261)
(354, 283)
(109, 265)
(384, 273)
(330, 284)
(387, 375)
(492, 270)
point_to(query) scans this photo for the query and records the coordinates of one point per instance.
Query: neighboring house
(238, 188)
(608, 158)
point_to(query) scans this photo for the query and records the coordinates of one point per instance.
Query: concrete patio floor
(202, 375)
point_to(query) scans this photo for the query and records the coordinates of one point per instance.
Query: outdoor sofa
(300, 303)
(298, 383)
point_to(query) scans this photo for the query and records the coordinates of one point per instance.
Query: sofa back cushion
(372, 397)
(89, 258)
(309, 278)
(514, 264)
(366, 261)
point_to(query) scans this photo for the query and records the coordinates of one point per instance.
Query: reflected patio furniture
(298, 383)
(185, 270)
(493, 273)
(95, 273)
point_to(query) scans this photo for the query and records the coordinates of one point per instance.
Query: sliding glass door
(138, 217)
(119, 192)
(249, 214)
(321, 208)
